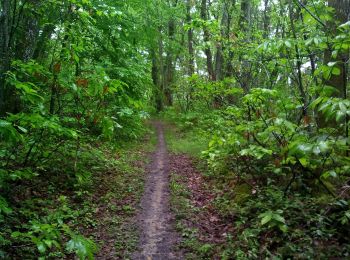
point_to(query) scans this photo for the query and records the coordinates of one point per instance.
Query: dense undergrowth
(279, 201)
(45, 215)
(273, 113)
(74, 96)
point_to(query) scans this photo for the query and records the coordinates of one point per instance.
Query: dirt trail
(158, 238)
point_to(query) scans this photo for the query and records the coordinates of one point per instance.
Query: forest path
(155, 218)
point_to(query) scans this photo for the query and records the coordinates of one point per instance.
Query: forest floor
(156, 220)
(158, 204)
(177, 219)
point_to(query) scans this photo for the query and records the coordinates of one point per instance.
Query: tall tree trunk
(189, 95)
(206, 37)
(219, 61)
(26, 45)
(4, 52)
(245, 22)
(168, 77)
(42, 40)
(190, 38)
(342, 13)
(161, 71)
(266, 19)
(228, 35)
(169, 62)
(304, 99)
(156, 81)
(245, 18)
(219, 57)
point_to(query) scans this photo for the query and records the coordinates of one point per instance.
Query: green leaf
(48, 243)
(278, 218)
(336, 71)
(339, 116)
(342, 107)
(83, 247)
(304, 161)
(22, 129)
(283, 228)
(41, 247)
(328, 174)
(331, 64)
(266, 219)
(4, 207)
(288, 44)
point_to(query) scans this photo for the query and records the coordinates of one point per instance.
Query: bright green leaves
(4, 208)
(322, 92)
(258, 95)
(332, 108)
(26, 81)
(281, 127)
(108, 126)
(342, 40)
(84, 248)
(288, 44)
(9, 133)
(48, 237)
(320, 147)
(329, 174)
(35, 122)
(317, 40)
(23, 174)
(274, 219)
(44, 236)
(90, 82)
(255, 151)
(28, 90)
(328, 70)
(346, 218)
(308, 154)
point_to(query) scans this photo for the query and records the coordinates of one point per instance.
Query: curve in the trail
(156, 221)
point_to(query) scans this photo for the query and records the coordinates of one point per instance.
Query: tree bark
(161, 72)
(155, 80)
(206, 36)
(169, 70)
(219, 58)
(4, 51)
(190, 39)
(266, 21)
(304, 98)
(342, 13)
(169, 63)
(245, 22)
(245, 19)
(42, 40)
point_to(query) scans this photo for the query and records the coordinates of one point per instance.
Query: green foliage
(84, 248)
(278, 146)
(49, 233)
(259, 88)
(184, 140)
(273, 219)
(81, 80)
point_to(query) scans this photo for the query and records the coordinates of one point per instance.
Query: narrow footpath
(158, 238)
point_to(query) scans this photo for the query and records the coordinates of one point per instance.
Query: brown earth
(156, 221)
(212, 228)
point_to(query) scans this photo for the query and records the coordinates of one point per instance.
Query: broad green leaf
(266, 219)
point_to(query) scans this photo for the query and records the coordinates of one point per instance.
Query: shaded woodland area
(260, 85)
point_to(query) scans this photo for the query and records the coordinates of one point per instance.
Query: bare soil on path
(158, 238)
